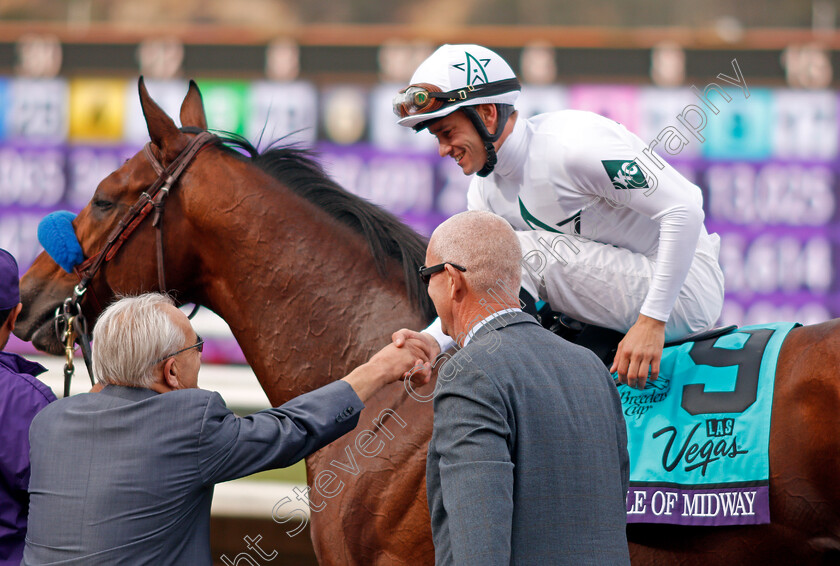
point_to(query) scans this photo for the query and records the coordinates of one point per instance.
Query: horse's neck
(300, 292)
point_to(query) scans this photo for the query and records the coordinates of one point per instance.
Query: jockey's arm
(676, 205)
(640, 352)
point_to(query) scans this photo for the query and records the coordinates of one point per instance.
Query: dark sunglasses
(199, 345)
(427, 272)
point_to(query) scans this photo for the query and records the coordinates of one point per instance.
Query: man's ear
(171, 377)
(489, 116)
(457, 282)
(10, 322)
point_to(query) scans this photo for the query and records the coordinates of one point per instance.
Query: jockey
(611, 234)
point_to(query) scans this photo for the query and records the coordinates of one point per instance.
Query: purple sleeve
(20, 401)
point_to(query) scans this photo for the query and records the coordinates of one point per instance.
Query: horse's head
(132, 267)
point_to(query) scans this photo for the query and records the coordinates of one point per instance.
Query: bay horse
(313, 280)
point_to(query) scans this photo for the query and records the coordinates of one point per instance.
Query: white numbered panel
(38, 110)
(776, 264)
(805, 124)
(660, 110)
(31, 176)
(282, 110)
(791, 195)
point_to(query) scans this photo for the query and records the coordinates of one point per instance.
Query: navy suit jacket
(126, 476)
(528, 460)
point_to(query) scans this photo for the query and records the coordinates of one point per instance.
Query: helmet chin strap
(503, 111)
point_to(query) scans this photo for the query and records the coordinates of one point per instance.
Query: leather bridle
(153, 198)
(70, 324)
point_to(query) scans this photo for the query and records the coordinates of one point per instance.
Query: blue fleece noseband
(56, 234)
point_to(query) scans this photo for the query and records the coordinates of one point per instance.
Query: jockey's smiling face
(458, 139)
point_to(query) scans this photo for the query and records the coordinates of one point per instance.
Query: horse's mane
(386, 236)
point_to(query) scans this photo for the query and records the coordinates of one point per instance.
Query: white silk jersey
(618, 230)
(578, 173)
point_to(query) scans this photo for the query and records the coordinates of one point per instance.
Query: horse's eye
(103, 204)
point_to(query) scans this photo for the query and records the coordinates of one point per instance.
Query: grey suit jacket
(126, 476)
(528, 460)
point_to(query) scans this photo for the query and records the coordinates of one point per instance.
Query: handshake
(410, 355)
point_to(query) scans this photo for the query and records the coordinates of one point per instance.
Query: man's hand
(418, 375)
(388, 365)
(640, 352)
(398, 361)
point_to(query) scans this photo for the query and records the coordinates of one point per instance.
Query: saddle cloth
(698, 436)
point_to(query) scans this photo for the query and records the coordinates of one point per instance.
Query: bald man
(528, 460)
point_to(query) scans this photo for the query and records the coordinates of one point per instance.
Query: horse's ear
(192, 109)
(162, 129)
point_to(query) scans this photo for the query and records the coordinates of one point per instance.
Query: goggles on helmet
(418, 99)
(424, 98)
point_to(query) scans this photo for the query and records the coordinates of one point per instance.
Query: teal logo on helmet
(474, 68)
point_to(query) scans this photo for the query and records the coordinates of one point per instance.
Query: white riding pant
(605, 285)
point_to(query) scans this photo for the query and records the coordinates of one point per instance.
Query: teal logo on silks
(625, 174)
(474, 68)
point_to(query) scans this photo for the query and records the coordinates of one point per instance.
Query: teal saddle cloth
(698, 436)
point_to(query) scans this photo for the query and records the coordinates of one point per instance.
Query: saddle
(602, 341)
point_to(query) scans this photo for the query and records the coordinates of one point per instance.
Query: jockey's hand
(640, 352)
(431, 349)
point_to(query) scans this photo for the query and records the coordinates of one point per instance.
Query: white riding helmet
(452, 77)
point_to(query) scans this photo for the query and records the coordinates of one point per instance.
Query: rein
(70, 323)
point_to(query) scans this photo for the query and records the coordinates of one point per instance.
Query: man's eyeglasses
(427, 272)
(199, 345)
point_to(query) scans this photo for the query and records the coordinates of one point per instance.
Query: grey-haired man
(126, 475)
